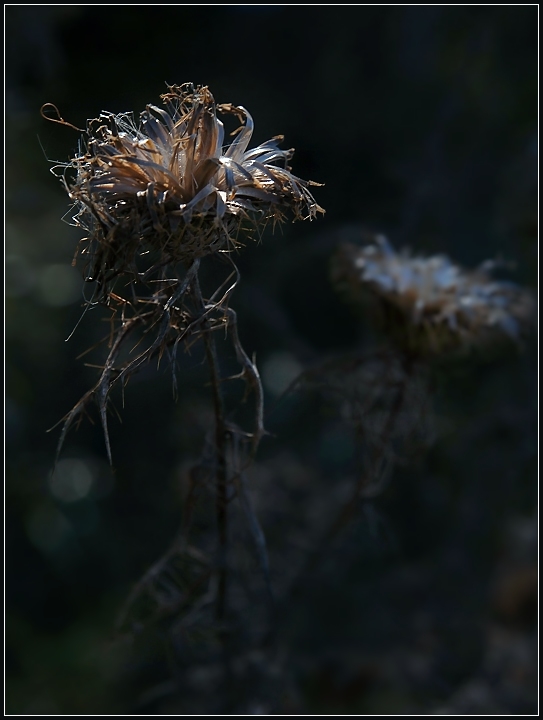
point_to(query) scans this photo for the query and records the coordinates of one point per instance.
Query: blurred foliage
(422, 123)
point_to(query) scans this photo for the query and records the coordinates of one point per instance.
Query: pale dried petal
(437, 304)
(133, 182)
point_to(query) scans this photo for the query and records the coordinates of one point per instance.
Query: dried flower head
(431, 304)
(167, 189)
(155, 198)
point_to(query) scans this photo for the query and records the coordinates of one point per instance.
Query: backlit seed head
(431, 305)
(166, 189)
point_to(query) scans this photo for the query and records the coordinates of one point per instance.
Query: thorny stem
(221, 447)
(363, 488)
(229, 465)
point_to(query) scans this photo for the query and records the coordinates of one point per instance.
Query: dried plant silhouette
(161, 199)
(430, 306)
(156, 198)
(428, 311)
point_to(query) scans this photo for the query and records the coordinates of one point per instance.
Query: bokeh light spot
(47, 528)
(58, 285)
(71, 480)
(279, 370)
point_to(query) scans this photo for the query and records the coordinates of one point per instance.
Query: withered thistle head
(431, 305)
(155, 197)
(166, 189)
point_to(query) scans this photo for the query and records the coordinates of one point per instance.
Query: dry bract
(431, 304)
(154, 199)
(166, 190)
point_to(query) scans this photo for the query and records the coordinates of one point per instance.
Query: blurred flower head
(430, 304)
(168, 188)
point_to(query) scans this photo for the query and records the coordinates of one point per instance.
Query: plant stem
(362, 487)
(220, 446)
(220, 450)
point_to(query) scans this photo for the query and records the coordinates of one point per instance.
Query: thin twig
(221, 446)
(363, 489)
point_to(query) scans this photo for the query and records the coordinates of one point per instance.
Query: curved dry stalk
(252, 376)
(220, 447)
(385, 392)
(253, 523)
(163, 318)
(100, 392)
(233, 448)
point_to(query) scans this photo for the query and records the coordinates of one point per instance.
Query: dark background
(422, 124)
